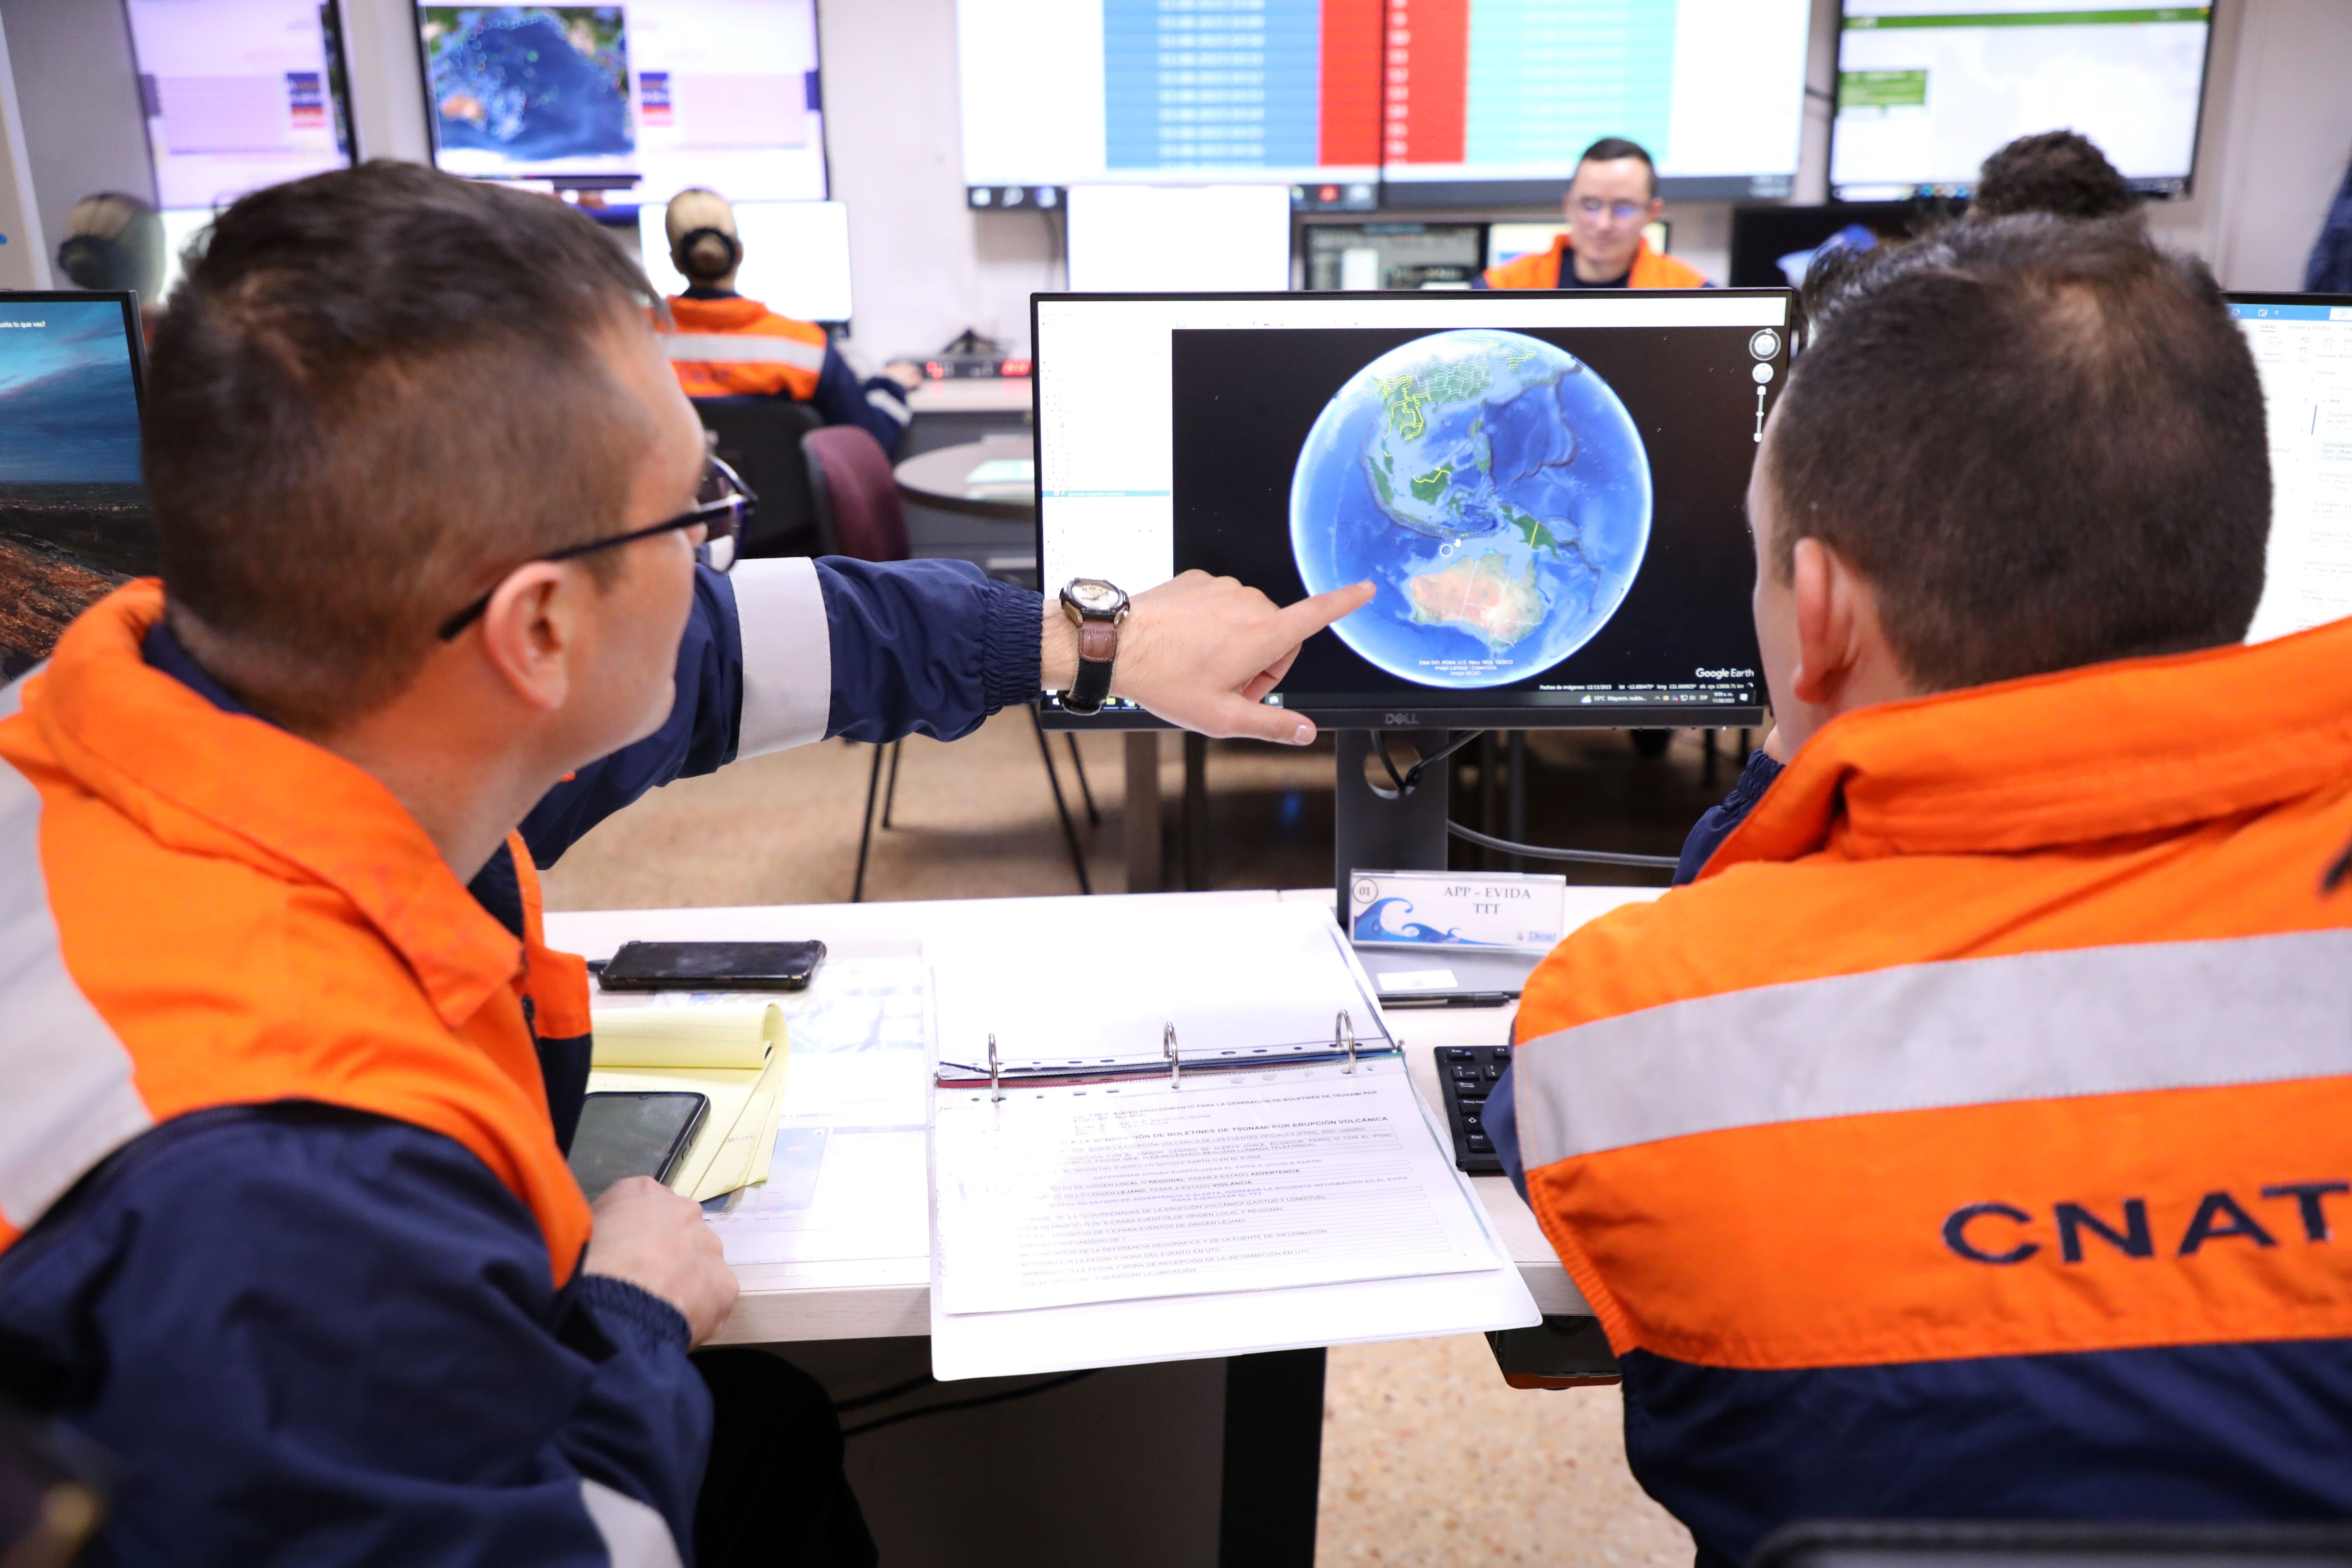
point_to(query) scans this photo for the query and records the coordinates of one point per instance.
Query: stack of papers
(1099, 1212)
(732, 1047)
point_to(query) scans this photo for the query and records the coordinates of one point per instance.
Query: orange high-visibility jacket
(737, 347)
(338, 960)
(1549, 269)
(1974, 1137)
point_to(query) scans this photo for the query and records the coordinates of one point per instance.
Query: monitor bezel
(1390, 715)
(2284, 296)
(2183, 192)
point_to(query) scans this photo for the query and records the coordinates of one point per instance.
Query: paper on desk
(1003, 471)
(1238, 983)
(685, 1030)
(1115, 1191)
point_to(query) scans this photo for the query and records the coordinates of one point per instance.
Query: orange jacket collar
(2138, 746)
(732, 314)
(152, 747)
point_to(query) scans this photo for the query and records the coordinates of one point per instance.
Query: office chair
(859, 514)
(759, 438)
(2052, 1543)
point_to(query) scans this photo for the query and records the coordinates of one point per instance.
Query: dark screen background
(1245, 400)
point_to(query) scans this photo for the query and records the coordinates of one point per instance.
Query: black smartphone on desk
(712, 966)
(632, 1133)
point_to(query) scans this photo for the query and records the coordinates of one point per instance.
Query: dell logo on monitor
(1405, 721)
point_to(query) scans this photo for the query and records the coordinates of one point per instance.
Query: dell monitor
(1365, 256)
(2303, 348)
(1773, 247)
(239, 94)
(795, 256)
(1548, 489)
(74, 520)
(1926, 92)
(648, 97)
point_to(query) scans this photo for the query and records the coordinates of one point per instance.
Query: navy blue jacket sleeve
(877, 406)
(1718, 823)
(312, 1335)
(927, 647)
(698, 736)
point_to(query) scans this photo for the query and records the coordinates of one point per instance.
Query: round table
(944, 479)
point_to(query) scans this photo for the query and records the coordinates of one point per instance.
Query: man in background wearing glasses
(1614, 194)
(285, 1224)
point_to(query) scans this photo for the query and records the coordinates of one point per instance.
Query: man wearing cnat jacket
(1969, 1140)
(284, 1220)
(1614, 195)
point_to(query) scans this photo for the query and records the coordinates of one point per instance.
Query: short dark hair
(1609, 149)
(2062, 173)
(374, 390)
(2042, 442)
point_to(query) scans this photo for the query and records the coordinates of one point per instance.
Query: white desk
(891, 1297)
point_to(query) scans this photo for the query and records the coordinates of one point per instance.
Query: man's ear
(529, 633)
(1827, 594)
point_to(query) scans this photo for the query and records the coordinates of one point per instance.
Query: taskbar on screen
(1623, 707)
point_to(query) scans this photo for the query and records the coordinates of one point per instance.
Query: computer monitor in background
(1138, 239)
(181, 227)
(1370, 256)
(1926, 92)
(648, 97)
(74, 520)
(2303, 347)
(795, 256)
(1772, 247)
(1549, 488)
(239, 94)
(1509, 241)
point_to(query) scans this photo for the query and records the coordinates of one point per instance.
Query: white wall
(78, 98)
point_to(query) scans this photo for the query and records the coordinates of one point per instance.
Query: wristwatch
(1098, 609)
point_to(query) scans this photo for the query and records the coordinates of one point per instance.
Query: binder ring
(1168, 1044)
(1343, 1038)
(996, 1080)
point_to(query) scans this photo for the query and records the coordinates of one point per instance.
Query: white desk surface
(891, 1297)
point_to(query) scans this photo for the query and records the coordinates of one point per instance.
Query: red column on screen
(1427, 76)
(1352, 83)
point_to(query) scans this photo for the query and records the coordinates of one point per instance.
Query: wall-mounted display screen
(650, 97)
(239, 94)
(1134, 240)
(1927, 89)
(1448, 101)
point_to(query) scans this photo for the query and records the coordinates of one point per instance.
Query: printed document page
(1237, 982)
(1115, 1192)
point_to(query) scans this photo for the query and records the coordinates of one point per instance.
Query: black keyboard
(1469, 1073)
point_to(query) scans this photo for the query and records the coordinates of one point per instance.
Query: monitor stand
(1374, 828)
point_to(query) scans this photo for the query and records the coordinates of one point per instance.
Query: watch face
(1093, 595)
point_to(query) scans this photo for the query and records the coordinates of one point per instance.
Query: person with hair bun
(115, 241)
(724, 345)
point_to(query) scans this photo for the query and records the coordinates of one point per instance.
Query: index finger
(1305, 618)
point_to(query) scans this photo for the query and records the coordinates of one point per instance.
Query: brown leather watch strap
(1097, 642)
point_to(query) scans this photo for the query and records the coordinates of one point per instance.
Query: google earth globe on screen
(531, 82)
(1494, 489)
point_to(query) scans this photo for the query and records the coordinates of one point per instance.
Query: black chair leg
(865, 828)
(890, 794)
(1061, 807)
(1086, 790)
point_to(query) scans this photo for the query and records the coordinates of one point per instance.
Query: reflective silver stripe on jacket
(66, 1096)
(741, 348)
(635, 1536)
(1980, 1031)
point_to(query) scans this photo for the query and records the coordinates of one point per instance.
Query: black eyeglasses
(726, 505)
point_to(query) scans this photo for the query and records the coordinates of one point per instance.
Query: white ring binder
(1343, 1038)
(1168, 1044)
(996, 1078)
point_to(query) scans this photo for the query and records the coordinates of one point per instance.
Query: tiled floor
(1429, 1456)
